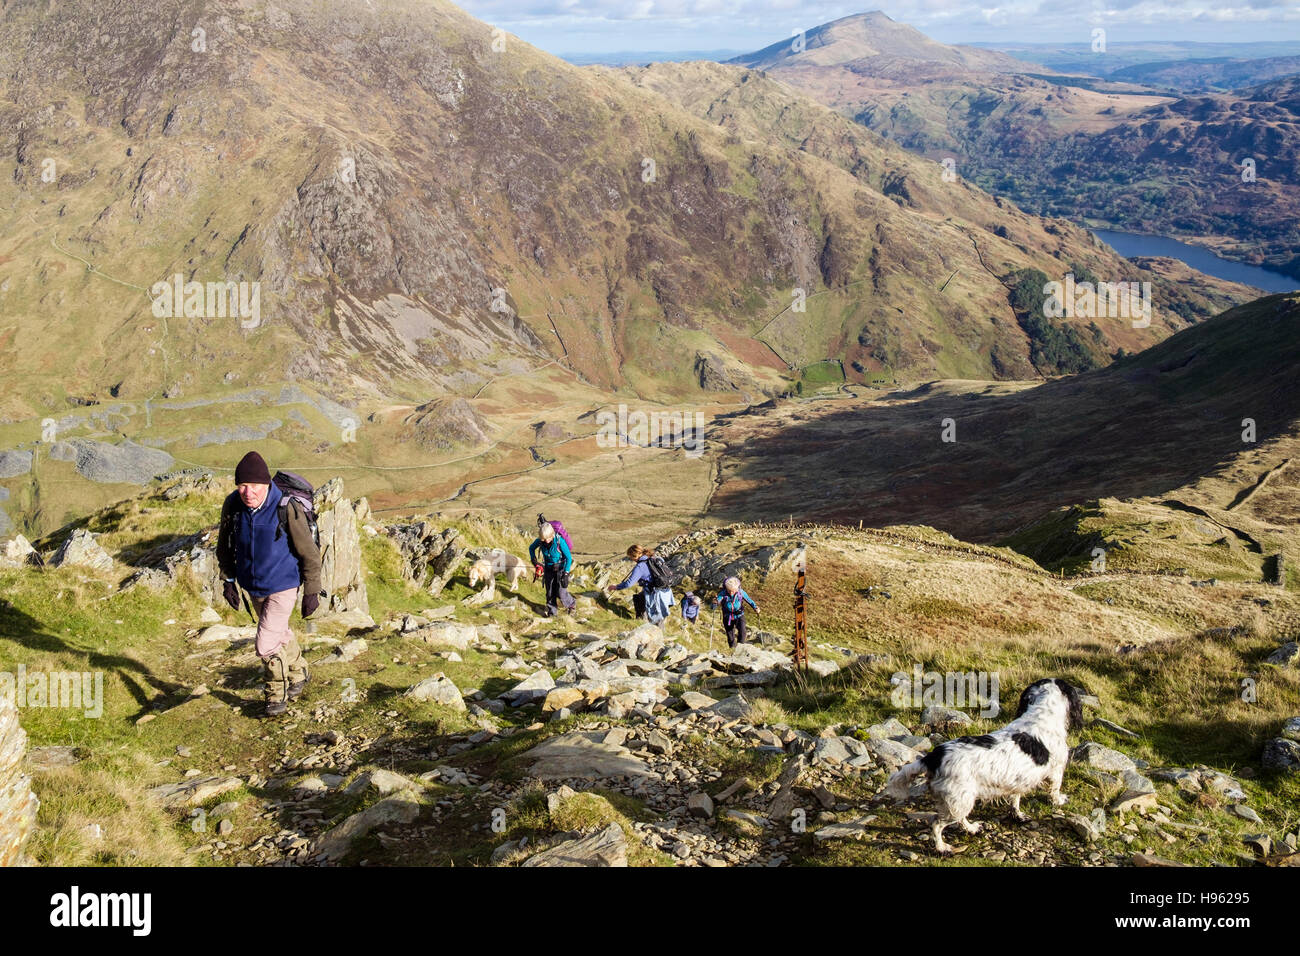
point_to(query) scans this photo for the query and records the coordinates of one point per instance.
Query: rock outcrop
(18, 804)
(343, 575)
(194, 554)
(18, 552)
(429, 556)
(82, 550)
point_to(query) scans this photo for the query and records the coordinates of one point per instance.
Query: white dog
(1011, 762)
(497, 562)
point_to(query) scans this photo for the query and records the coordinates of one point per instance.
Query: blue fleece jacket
(265, 564)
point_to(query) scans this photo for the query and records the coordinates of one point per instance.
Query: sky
(601, 26)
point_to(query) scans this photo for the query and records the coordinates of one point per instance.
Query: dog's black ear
(1074, 697)
(1027, 697)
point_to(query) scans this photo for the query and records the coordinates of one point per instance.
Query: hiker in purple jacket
(265, 546)
(655, 603)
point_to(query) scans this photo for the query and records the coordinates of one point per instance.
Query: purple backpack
(300, 490)
(559, 529)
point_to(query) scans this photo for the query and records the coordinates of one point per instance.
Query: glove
(537, 571)
(309, 604)
(756, 610)
(231, 593)
(564, 580)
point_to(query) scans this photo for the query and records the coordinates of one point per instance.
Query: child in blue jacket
(690, 607)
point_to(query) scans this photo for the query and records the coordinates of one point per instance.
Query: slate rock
(535, 687)
(607, 847)
(583, 755)
(194, 791)
(401, 807)
(1093, 754)
(1281, 754)
(438, 689)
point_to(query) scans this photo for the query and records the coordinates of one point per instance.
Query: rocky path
(661, 757)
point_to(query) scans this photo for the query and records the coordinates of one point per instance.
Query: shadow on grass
(25, 631)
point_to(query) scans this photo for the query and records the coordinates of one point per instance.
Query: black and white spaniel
(1011, 762)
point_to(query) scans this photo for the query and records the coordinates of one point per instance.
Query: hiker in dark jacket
(265, 546)
(733, 599)
(556, 561)
(655, 603)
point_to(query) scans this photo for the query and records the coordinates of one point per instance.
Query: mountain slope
(1198, 418)
(1075, 146)
(424, 213)
(753, 107)
(1219, 73)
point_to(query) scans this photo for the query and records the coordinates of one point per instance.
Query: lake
(1129, 244)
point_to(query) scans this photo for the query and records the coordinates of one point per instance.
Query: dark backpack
(661, 576)
(559, 529)
(296, 488)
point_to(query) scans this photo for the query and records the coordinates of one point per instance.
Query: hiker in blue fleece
(553, 568)
(733, 599)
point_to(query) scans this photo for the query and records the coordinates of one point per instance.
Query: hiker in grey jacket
(265, 546)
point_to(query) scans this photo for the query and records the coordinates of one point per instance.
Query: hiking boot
(277, 683)
(297, 687)
(296, 673)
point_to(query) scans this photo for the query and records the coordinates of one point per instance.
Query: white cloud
(750, 24)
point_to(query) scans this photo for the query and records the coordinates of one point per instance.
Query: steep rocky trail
(448, 725)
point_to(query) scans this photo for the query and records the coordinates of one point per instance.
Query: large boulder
(193, 556)
(1281, 754)
(586, 755)
(429, 557)
(751, 658)
(1288, 653)
(193, 791)
(645, 643)
(534, 688)
(18, 804)
(83, 551)
(446, 634)
(1093, 754)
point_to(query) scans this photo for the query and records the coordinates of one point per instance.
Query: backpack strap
(282, 516)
